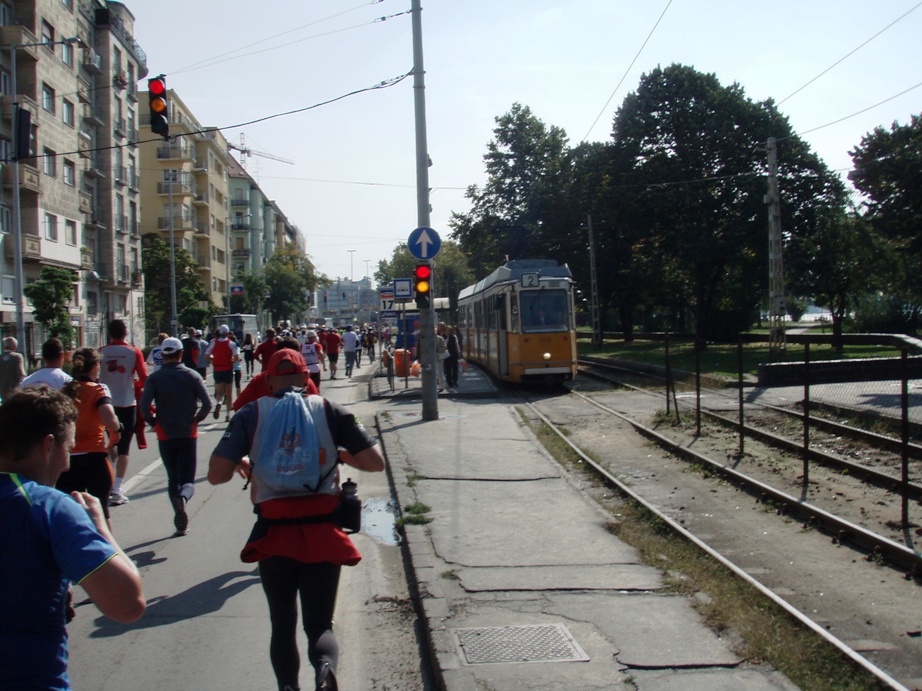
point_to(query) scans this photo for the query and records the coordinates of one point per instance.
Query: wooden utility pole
(776, 301)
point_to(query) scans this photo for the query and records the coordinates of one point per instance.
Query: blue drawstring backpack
(289, 449)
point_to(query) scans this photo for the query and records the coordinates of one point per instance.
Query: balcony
(200, 165)
(93, 166)
(86, 259)
(29, 178)
(121, 225)
(201, 197)
(135, 228)
(120, 79)
(84, 89)
(240, 224)
(122, 273)
(85, 147)
(202, 229)
(119, 128)
(19, 34)
(92, 61)
(136, 278)
(31, 248)
(134, 182)
(175, 152)
(204, 261)
(86, 203)
(95, 223)
(133, 91)
(24, 101)
(240, 254)
(239, 202)
(93, 115)
(179, 223)
(121, 175)
(176, 188)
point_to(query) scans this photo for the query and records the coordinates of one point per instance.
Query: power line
(626, 72)
(263, 40)
(849, 54)
(863, 110)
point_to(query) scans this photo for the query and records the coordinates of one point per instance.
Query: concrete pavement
(521, 583)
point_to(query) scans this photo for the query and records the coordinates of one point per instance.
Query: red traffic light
(156, 86)
(159, 109)
(422, 272)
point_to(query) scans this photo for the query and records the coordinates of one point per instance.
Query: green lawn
(722, 359)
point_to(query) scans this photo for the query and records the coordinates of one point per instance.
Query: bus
(240, 324)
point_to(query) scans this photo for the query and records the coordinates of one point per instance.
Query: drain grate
(536, 643)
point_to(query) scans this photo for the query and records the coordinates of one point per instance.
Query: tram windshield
(544, 311)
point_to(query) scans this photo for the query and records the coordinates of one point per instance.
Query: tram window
(544, 310)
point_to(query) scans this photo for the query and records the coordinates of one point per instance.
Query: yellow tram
(518, 322)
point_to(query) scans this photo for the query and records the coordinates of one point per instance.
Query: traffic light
(422, 284)
(159, 112)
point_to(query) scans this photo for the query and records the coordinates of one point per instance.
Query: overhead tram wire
(269, 38)
(850, 53)
(377, 20)
(386, 84)
(626, 72)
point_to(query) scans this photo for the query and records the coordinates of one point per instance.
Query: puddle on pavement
(378, 520)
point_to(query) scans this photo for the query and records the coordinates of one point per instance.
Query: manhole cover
(537, 643)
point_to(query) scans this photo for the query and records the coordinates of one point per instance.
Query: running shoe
(117, 499)
(326, 680)
(217, 411)
(181, 519)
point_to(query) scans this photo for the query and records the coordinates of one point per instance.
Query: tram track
(845, 533)
(879, 478)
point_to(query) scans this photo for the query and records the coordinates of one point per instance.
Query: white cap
(198, 332)
(224, 328)
(170, 345)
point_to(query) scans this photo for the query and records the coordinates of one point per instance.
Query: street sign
(236, 289)
(424, 243)
(403, 288)
(386, 296)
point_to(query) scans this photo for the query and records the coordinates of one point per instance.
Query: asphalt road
(207, 625)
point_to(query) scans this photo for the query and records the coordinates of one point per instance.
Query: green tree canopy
(51, 295)
(290, 279)
(190, 288)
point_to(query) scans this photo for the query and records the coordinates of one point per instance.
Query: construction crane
(246, 153)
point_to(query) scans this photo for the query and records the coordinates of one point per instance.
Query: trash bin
(401, 362)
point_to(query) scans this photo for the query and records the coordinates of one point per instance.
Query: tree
(526, 163)
(889, 174)
(254, 293)
(290, 279)
(191, 290)
(699, 187)
(51, 295)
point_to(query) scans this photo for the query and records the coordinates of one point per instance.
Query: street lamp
(352, 281)
(17, 212)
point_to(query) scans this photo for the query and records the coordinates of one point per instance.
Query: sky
(352, 186)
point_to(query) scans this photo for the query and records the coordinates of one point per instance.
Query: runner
(222, 352)
(350, 344)
(312, 353)
(332, 347)
(122, 365)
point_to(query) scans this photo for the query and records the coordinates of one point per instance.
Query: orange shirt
(91, 432)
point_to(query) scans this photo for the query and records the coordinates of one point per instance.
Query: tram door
(501, 326)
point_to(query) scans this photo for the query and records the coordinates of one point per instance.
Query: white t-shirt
(349, 340)
(54, 377)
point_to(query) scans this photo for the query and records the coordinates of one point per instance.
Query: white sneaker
(117, 499)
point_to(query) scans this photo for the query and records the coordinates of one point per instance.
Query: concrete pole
(17, 217)
(426, 348)
(174, 321)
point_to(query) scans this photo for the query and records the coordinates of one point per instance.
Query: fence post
(904, 446)
(806, 419)
(697, 389)
(668, 370)
(739, 350)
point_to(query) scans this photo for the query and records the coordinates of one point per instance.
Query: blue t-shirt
(46, 540)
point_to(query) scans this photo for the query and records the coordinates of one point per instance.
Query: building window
(51, 227)
(70, 232)
(50, 163)
(116, 61)
(47, 98)
(6, 14)
(48, 35)
(67, 54)
(69, 4)
(70, 173)
(6, 219)
(6, 82)
(6, 149)
(67, 111)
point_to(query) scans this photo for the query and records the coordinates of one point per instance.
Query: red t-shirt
(257, 388)
(264, 351)
(333, 342)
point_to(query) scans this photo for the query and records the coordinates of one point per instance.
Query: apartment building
(75, 68)
(185, 187)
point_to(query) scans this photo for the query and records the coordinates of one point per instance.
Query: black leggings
(283, 579)
(179, 459)
(89, 472)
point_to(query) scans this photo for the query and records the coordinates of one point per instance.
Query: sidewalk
(471, 384)
(521, 584)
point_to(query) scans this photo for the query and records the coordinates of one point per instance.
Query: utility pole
(596, 321)
(777, 306)
(426, 349)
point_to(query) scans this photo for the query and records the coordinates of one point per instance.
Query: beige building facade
(188, 174)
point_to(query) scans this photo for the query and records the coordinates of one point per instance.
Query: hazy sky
(353, 184)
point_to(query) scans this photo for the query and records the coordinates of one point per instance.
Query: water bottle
(350, 507)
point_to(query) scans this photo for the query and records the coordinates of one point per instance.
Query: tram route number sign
(530, 280)
(389, 305)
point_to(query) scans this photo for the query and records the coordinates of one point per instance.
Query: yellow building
(188, 174)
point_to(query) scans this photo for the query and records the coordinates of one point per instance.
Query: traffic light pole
(426, 350)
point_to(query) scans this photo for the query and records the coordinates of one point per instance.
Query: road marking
(135, 479)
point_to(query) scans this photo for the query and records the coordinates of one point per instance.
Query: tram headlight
(547, 356)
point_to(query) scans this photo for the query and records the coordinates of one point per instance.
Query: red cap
(284, 362)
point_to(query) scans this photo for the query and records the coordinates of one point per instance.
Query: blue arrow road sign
(424, 243)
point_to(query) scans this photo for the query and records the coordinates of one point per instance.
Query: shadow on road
(201, 599)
